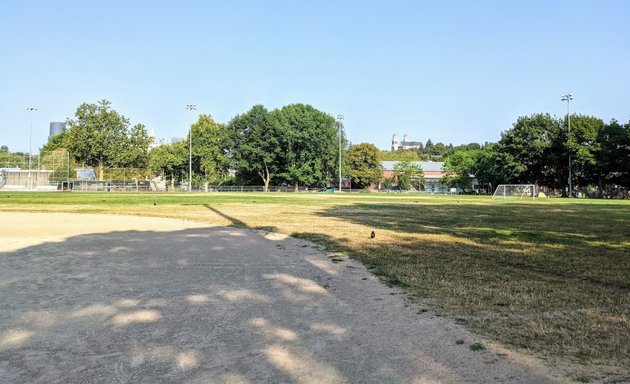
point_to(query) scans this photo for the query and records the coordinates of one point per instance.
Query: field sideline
(550, 276)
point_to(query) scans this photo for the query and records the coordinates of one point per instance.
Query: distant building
(405, 143)
(433, 173)
(56, 128)
(153, 143)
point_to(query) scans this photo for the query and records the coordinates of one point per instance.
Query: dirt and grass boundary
(551, 277)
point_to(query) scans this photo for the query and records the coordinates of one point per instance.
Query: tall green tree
(624, 176)
(310, 144)
(488, 170)
(610, 138)
(583, 145)
(364, 165)
(100, 137)
(256, 145)
(171, 160)
(522, 153)
(210, 141)
(612, 160)
(55, 142)
(135, 151)
(408, 175)
(461, 168)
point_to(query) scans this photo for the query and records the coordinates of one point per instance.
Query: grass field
(550, 276)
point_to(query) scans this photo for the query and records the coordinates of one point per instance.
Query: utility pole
(568, 97)
(190, 107)
(30, 148)
(339, 127)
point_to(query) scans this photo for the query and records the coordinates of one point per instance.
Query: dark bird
(154, 204)
(372, 235)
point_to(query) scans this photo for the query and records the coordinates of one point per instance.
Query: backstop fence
(56, 171)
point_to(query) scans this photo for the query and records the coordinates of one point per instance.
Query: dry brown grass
(551, 277)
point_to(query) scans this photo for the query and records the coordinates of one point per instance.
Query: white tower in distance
(395, 143)
(152, 140)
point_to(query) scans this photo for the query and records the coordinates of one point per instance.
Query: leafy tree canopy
(364, 164)
(210, 141)
(461, 167)
(522, 149)
(58, 141)
(99, 136)
(171, 160)
(310, 145)
(399, 155)
(408, 175)
(256, 144)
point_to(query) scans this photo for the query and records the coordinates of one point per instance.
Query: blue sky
(452, 71)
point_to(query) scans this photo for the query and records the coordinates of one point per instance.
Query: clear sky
(453, 71)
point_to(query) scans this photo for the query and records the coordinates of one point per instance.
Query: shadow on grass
(524, 274)
(529, 306)
(557, 224)
(537, 238)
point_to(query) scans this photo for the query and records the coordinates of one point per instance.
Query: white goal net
(518, 191)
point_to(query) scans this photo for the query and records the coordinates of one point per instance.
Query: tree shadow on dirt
(197, 305)
(233, 220)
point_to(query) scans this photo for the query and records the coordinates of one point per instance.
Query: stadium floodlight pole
(30, 145)
(339, 125)
(190, 107)
(568, 97)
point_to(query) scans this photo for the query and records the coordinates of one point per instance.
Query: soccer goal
(516, 191)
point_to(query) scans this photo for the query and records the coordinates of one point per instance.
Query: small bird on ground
(154, 204)
(372, 235)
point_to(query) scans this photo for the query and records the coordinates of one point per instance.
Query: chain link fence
(45, 171)
(55, 170)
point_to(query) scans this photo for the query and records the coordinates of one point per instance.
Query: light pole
(568, 97)
(190, 107)
(30, 146)
(339, 126)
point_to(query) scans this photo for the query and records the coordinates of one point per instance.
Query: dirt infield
(117, 299)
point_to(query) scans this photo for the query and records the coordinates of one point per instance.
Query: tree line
(536, 150)
(294, 145)
(298, 145)
(426, 152)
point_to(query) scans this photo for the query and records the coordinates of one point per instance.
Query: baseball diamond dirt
(120, 299)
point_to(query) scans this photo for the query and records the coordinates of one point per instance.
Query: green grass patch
(477, 347)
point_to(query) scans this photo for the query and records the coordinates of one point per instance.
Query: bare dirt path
(118, 299)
